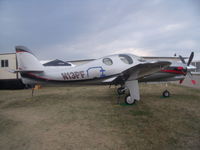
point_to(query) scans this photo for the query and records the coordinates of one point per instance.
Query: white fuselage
(96, 69)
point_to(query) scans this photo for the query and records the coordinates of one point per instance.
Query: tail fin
(27, 61)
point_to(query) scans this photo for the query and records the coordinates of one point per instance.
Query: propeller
(188, 67)
(190, 59)
(182, 59)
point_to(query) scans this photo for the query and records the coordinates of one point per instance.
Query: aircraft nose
(180, 68)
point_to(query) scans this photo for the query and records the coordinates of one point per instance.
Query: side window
(126, 59)
(107, 61)
(4, 63)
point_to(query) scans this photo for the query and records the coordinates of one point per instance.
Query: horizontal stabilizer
(24, 71)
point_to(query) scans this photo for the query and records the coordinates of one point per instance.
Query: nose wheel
(166, 93)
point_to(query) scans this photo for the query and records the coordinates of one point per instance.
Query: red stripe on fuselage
(39, 77)
(174, 71)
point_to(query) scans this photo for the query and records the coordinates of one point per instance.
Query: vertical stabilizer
(26, 60)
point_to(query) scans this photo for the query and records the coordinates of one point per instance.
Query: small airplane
(126, 70)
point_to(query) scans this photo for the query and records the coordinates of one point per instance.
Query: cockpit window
(107, 61)
(126, 59)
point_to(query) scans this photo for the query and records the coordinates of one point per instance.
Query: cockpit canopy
(125, 58)
(107, 61)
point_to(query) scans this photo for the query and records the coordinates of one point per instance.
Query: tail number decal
(73, 75)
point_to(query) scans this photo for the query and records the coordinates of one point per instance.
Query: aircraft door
(96, 72)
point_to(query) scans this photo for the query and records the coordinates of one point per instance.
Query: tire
(129, 100)
(166, 93)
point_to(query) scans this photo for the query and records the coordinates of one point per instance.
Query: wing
(145, 69)
(139, 71)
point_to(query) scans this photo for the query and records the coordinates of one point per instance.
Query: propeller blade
(189, 74)
(181, 58)
(191, 77)
(190, 58)
(181, 81)
(194, 82)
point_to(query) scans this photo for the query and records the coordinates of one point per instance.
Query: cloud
(138, 52)
(173, 27)
(90, 29)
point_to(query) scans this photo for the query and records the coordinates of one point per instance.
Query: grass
(89, 118)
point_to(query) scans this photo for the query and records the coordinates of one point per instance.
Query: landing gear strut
(166, 93)
(121, 90)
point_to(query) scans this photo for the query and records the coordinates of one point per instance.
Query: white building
(9, 80)
(197, 65)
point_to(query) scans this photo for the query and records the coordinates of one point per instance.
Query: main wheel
(129, 100)
(166, 93)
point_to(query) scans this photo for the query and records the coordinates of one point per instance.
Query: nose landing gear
(166, 93)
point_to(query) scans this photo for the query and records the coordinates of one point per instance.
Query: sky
(84, 29)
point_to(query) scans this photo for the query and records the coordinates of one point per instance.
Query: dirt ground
(84, 118)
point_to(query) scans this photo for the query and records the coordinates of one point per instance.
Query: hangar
(9, 80)
(197, 65)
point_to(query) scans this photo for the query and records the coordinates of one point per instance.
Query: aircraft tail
(26, 60)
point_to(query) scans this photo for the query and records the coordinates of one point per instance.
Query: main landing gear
(121, 90)
(128, 100)
(132, 88)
